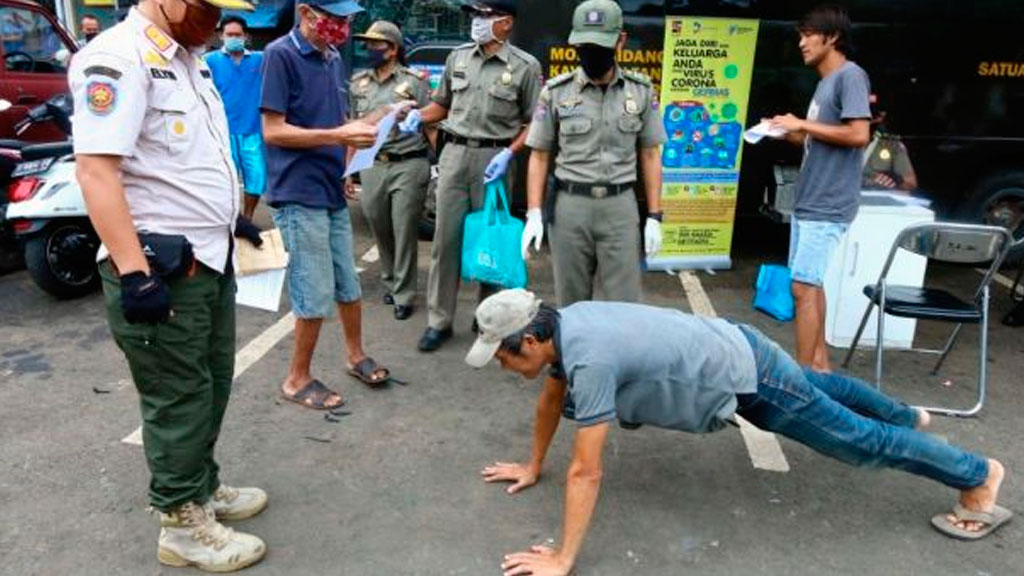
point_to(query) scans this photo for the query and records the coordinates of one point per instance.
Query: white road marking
(763, 447)
(372, 255)
(244, 358)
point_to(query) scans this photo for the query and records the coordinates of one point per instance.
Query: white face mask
(481, 30)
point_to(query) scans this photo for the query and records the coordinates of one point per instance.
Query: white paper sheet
(261, 290)
(364, 158)
(755, 134)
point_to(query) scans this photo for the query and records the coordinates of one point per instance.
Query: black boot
(1015, 317)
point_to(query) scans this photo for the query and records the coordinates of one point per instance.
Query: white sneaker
(191, 536)
(238, 503)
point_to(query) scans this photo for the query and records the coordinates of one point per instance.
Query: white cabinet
(858, 262)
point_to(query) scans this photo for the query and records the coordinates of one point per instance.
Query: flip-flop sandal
(316, 394)
(366, 368)
(991, 520)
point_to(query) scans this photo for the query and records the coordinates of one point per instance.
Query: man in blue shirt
(304, 103)
(238, 75)
(635, 364)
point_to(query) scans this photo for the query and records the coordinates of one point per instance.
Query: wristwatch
(659, 216)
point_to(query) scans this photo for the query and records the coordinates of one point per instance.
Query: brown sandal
(365, 370)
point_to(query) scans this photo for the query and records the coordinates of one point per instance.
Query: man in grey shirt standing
(644, 365)
(834, 135)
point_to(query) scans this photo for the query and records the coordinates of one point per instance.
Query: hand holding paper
(764, 128)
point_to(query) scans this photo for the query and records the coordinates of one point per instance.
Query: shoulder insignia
(158, 38)
(559, 80)
(523, 55)
(365, 73)
(637, 77)
(465, 46)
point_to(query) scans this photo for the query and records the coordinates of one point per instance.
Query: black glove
(244, 228)
(144, 299)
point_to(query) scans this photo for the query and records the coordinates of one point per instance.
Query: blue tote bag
(491, 240)
(773, 292)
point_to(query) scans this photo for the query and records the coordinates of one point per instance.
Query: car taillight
(24, 189)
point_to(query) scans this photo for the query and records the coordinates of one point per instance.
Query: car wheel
(62, 259)
(999, 200)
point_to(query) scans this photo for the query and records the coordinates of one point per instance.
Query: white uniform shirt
(140, 95)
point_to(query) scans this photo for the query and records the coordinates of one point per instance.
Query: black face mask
(89, 36)
(596, 60)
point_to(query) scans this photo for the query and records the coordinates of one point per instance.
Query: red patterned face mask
(332, 31)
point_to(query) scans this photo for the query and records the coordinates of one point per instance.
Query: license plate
(32, 167)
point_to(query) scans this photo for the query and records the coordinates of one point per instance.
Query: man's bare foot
(982, 498)
(924, 419)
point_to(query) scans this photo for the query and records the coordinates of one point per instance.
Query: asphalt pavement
(394, 487)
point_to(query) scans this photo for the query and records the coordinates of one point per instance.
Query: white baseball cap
(498, 317)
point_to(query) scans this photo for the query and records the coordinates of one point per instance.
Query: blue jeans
(321, 263)
(848, 420)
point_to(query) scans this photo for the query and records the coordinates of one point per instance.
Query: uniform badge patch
(101, 97)
(885, 154)
(631, 107)
(594, 18)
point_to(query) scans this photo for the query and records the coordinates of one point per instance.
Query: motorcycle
(10, 156)
(48, 212)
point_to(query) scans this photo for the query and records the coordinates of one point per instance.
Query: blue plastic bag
(491, 251)
(773, 293)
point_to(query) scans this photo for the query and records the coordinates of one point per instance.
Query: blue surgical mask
(377, 58)
(234, 44)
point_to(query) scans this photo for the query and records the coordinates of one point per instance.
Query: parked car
(36, 51)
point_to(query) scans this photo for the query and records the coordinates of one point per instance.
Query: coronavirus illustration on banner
(705, 86)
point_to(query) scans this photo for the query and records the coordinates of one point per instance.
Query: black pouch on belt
(169, 255)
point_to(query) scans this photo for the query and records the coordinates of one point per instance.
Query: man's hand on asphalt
(788, 122)
(522, 476)
(532, 232)
(411, 123)
(246, 230)
(144, 299)
(357, 134)
(539, 561)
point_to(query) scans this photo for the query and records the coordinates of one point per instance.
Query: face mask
(332, 31)
(199, 23)
(234, 44)
(596, 60)
(481, 30)
(377, 57)
(90, 36)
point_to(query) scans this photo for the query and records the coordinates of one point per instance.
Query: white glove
(411, 123)
(652, 237)
(533, 232)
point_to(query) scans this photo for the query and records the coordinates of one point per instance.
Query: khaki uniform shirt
(488, 97)
(596, 132)
(140, 95)
(368, 93)
(889, 157)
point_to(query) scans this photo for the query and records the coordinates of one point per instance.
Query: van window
(30, 44)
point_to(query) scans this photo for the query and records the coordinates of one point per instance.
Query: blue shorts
(812, 243)
(247, 152)
(321, 263)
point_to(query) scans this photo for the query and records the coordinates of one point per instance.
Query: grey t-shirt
(646, 365)
(829, 185)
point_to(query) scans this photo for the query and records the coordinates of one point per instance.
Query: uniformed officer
(604, 122)
(153, 155)
(395, 187)
(486, 98)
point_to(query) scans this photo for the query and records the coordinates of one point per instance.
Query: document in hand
(261, 272)
(364, 158)
(764, 128)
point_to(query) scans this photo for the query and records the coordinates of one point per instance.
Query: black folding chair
(942, 242)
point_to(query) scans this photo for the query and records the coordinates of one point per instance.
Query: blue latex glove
(411, 123)
(498, 165)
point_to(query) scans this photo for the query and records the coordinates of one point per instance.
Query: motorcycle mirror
(4, 105)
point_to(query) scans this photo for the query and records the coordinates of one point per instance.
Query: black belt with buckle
(478, 142)
(595, 190)
(390, 157)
